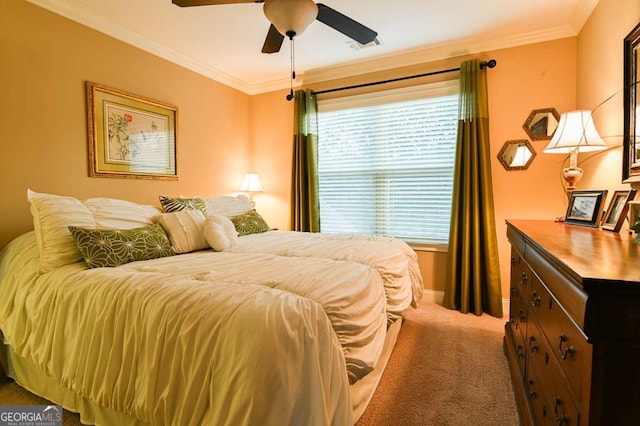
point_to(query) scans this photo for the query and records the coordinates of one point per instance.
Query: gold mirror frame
(541, 123)
(631, 141)
(514, 155)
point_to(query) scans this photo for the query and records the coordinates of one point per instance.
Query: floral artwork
(135, 140)
(130, 136)
(119, 132)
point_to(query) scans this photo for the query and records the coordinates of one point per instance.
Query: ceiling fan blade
(273, 42)
(189, 3)
(345, 25)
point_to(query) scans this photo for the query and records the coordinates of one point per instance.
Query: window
(385, 162)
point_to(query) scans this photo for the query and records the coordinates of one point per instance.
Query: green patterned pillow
(113, 247)
(249, 223)
(170, 205)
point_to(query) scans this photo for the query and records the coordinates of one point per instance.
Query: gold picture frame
(130, 136)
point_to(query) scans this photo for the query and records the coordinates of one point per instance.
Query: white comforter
(395, 261)
(202, 338)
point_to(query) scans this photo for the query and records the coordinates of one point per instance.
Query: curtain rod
(488, 64)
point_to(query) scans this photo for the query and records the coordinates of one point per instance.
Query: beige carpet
(446, 369)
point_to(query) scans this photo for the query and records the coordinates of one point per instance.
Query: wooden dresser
(573, 336)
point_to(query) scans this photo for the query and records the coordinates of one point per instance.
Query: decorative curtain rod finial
(489, 64)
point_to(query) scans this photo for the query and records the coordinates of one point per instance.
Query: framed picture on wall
(130, 136)
(617, 210)
(585, 208)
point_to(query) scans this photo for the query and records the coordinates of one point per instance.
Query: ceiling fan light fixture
(290, 16)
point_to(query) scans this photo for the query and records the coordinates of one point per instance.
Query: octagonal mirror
(541, 123)
(516, 155)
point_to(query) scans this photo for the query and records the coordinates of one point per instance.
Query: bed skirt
(362, 391)
(25, 374)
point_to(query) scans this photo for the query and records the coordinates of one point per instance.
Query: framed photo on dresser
(585, 207)
(616, 212)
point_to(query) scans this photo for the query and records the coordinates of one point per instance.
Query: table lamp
(250, 185)
(575, 133)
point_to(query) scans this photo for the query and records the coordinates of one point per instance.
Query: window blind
(385, 163)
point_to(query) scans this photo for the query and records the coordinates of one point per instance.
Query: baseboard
(435, 296)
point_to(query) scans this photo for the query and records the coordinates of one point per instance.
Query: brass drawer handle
(566, 352)
(514, 260)
(530, 392)
(521, 352)
(532, 344)
(522, 317)
(561, 419)
(523, 278)
(535, 299)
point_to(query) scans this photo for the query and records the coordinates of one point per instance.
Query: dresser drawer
(518, 343)
(520, 276)
(535, 395)
(567, 344)
(547, 379)
(564, 289)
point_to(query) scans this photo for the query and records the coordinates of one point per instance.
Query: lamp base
(572, 176)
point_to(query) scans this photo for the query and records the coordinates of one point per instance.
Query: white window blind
(386, 162)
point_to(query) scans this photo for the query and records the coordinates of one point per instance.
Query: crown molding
(437, 52)
(272, 86)
(87, 18)
(581, 14)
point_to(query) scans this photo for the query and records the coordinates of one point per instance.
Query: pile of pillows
(110, 232)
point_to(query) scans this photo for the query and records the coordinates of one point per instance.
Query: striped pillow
(170, 205)
(184, 229)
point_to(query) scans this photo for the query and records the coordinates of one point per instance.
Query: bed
(279, 327)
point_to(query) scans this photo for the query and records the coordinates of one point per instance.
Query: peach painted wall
(536, 76)
(46, 60)
(600, 76)
(528, 77)
(272, 155)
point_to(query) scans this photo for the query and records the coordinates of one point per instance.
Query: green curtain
(305, 206)
(473, 270)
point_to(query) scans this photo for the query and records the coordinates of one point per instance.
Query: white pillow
(112, 213)
(220, 232)
(228, 205)
(185, 230)
(52, 216)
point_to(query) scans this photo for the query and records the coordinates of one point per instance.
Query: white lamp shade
(251, 183)
(575, 130)
(290, 15)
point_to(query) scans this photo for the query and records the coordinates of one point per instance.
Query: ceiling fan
(291, 17)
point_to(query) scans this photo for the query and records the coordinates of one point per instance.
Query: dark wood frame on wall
(631, 141)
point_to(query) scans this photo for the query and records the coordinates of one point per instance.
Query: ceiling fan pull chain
(293, 59)
(293, 64)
